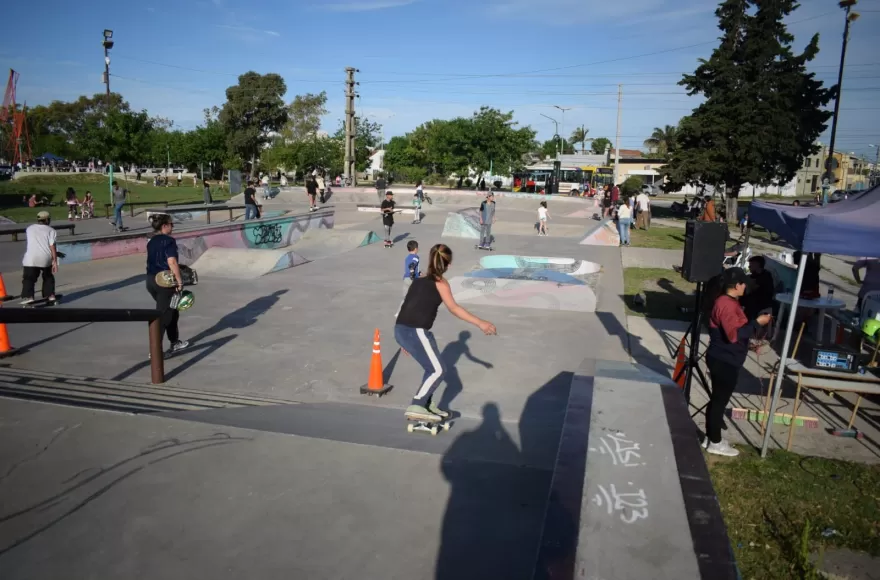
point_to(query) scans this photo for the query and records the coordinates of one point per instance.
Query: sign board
(235, 182)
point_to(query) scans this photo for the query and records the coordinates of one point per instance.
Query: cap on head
(388, 192)
(734, 276)
(43, 216)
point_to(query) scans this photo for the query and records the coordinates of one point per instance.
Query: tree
(550, 146)
(600, 145)
(496, 143)
(304, 116)
(662, 141)
(763, 110)
(127, 136)
(254, 108)
(579, 135)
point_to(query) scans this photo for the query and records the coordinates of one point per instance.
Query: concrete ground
(330, 485)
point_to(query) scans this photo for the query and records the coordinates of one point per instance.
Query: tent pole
(789, 329)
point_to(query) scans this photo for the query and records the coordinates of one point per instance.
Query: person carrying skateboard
(487, 218)
(387, 209)
(162, 255)
(40, 258)
(418, 198)
(413, 329)
(250, 201)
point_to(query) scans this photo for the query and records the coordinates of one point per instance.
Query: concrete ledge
(631, 496)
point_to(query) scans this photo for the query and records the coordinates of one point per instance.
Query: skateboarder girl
(413, 329)
(72, 202)
(312, 190)
(487, 218)
(162, 255)
(543, 216)
(387, 209)
(40, 258)
(88, 205)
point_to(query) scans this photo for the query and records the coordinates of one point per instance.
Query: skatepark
(259, 457)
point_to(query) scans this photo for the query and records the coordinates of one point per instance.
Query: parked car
(650, 190)
(838, 195)
(5, 172)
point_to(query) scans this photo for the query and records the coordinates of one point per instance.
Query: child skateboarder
(387, 209)
(543, 216)
(413, 330)
(487, 218)
(418, 198)
(410, 269)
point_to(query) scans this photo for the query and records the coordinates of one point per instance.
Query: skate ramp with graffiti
(463, 224)
(604, 233)
(249, 263)
(512, 293)
(527, 274)
(264, 234)
(568, 266)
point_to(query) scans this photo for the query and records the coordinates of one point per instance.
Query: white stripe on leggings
(432, 356)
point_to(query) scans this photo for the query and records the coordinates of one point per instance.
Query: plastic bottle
(830, 294)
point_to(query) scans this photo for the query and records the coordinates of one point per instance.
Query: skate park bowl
(247, 263)
(463, 224)
(603, 233)
(538, 282)
(263, 234)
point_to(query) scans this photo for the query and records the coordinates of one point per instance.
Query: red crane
(19, 145)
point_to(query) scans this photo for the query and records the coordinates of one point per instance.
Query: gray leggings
(485, 234)
(387, 232)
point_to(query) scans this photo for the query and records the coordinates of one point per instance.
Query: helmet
(183, 300)
(871, 328)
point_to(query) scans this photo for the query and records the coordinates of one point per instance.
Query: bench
(830, 381)
(198, 207)
(131, 205)
(15, 229)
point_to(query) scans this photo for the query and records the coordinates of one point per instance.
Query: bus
(573, 180)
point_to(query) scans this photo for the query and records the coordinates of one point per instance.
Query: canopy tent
(850, 227)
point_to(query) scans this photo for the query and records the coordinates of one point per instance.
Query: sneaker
(178, 346)
(26, 301)
(722, 448)
(419, 412)
(432, 407)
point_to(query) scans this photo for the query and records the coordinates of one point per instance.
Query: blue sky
(421, 59)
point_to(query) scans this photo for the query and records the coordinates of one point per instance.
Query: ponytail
(438, 261)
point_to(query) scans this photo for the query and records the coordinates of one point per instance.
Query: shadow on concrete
(79, 294)
(33, 345)
(450, 357)
(497, 510)
(389, 368)
(400, 237)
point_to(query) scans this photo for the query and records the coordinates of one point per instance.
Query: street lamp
(849, 16)
(555, 122)
(108, 44)
(563, 109)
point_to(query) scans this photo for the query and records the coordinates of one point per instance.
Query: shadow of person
(450, 357)
(242, 317)
(484, 523)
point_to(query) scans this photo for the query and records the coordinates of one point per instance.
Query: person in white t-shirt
(41, 257)
(643, 211)
(543, 216)
(265, 183)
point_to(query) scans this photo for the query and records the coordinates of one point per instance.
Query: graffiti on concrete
(267, 234)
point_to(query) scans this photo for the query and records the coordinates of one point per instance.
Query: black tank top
(421, 304)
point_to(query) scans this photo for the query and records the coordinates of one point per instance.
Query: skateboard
(389, 244)
(42, 302)
(165, 278)
(421, 423)
(485, 248)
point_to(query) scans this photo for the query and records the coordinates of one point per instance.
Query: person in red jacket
(729, 334)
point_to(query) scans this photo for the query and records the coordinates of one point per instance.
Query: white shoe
(722, 448)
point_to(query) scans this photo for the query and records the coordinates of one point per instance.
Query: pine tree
(763, 110)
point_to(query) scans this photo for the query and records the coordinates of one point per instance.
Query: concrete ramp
(514, 293)
(245, 264)
(568, 266)
(463, 224)
(316, 244)
(603, 233)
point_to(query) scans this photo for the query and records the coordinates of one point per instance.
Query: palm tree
(579, 135)
(662, 141)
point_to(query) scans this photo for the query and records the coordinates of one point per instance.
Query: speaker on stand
(702, 261)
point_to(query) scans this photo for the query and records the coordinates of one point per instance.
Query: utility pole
(584, 142)
(108, 44)
(617, 140)
(556, 124)
(562, 136)
(829, 162)
(349, 168)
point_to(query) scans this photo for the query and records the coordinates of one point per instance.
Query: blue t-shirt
(159, 249)
(411, 264)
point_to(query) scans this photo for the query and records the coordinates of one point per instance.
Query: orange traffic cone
(678, 375)
(5, 348)
(3, 294)
(376, 383)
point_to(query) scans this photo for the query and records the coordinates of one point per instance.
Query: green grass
(661, 237)
(54, 187)
(664, 290)
(776, 509)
